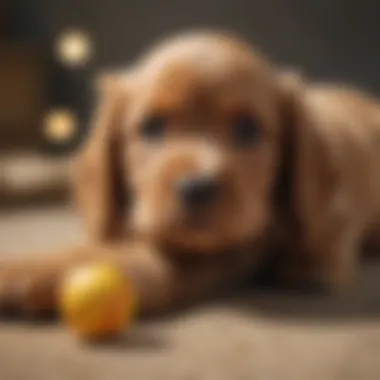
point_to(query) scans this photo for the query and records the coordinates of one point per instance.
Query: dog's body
(335, 185)
(202, 161)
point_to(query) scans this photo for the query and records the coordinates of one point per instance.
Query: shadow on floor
(360, 302)
(134, 339)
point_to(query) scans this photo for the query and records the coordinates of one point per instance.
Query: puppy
(203, 159)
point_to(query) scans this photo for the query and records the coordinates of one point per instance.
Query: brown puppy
(202, 160)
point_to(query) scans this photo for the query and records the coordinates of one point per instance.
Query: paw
(312, 286)
(316, 281)
(304, 280)
(24, 290)
(336, 280)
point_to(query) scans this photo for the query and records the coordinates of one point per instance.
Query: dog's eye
(153, 128)
(245, 131)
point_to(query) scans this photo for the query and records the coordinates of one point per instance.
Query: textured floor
(260, 336)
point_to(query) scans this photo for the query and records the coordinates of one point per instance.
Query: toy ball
(96, 301)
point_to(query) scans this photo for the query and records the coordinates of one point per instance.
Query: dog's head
(184, 148)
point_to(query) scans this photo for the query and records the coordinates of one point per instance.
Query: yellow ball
(96, 301)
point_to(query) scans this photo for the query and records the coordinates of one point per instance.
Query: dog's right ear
(311, 183)
(99, 180)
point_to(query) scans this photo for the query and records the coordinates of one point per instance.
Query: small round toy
(96, 301)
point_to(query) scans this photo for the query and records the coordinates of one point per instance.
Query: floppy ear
(309, 186)
(99, 180)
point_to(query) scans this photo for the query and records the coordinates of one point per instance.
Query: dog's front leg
(31, 285)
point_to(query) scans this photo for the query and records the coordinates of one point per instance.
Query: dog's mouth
(198, 219)
(205, 231)
(202, 224)
(197, 223)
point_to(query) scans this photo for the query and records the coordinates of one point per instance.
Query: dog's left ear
(99, 179)
(310, 163)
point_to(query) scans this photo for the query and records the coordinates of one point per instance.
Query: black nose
(198, 191)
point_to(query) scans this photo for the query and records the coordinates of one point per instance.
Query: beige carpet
(260, 336)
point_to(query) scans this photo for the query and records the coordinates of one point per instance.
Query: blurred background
(50, 51)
